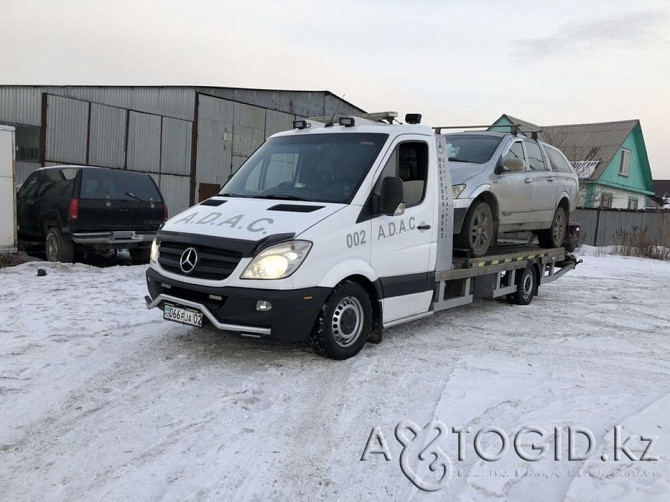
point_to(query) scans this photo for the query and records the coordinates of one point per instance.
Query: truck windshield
(314, 167)
(472, 148)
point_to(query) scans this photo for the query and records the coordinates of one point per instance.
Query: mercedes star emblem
(188, 260)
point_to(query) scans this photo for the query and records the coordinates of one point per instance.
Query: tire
(525, 288)
(554, 236)
(139, 256)
(57, 247)
(344, 323)
(477, 232)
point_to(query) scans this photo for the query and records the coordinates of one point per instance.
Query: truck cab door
(404, 244)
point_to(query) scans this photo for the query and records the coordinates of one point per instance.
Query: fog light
(263, 306)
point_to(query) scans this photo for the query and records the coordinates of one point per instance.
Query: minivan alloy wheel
(481, 228)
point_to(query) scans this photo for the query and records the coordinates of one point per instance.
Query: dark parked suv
(72, 208)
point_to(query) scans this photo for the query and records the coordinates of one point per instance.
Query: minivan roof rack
(514, 129)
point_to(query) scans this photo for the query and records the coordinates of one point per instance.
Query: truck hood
(461, 172)
(249, 219)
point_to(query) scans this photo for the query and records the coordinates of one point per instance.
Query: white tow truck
(331, 232)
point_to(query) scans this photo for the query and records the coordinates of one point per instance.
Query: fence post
(595, 237)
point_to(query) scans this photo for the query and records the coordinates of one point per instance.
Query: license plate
(184, 316)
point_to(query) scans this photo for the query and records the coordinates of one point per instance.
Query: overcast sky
(457, 62)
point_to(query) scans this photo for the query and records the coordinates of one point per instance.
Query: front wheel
(554, 236)
(477, 232)
(57, 247)
(344, 322)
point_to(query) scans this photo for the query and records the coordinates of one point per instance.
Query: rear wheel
(554, 236)
(344, 322)
(57, 247)
(525, 287)
(477, 232)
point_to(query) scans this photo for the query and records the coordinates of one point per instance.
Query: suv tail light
(165, 211)
(73, 212)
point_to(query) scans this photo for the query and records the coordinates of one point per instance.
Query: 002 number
(356, 239)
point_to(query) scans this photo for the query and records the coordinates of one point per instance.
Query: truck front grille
(213, 264)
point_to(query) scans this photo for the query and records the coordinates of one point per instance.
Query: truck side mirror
(392, 196)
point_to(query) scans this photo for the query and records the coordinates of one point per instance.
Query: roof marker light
(347, 121)
(301, 124)
(413, 118)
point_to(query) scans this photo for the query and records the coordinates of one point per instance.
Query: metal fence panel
(215, 139)
(587, 219)
(144, 142)
(302, 103)
(23, 170)
(277, 122)
(175, 102)
(67, 130)
(176, 146)
(248, 129)
(175, 190)
(107, 136)
(21, 105)
(614, 226)
(608, 227)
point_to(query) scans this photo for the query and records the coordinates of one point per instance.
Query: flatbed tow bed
(497, 274)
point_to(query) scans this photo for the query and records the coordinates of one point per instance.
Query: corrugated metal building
(188, 138)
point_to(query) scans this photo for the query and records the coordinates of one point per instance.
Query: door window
(409, 162)
(515, 152)
(535, 158)
(57, 183)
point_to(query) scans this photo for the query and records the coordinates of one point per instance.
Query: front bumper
(113, 238)
(292, 316)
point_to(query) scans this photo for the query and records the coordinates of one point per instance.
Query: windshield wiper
(456, 159)
(131, 194)
(277, 196)
(231, 195)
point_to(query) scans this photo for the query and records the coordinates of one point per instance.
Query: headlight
(153, 256)
(278, 261)
(457, 190)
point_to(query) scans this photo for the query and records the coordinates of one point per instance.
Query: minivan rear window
(117, 185)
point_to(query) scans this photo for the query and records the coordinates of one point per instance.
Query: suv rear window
(117, 185)
(474, 148)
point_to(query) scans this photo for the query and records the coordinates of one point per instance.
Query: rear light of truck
(165, 211)
(73, 212)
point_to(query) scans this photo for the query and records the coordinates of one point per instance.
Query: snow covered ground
(101, 399)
